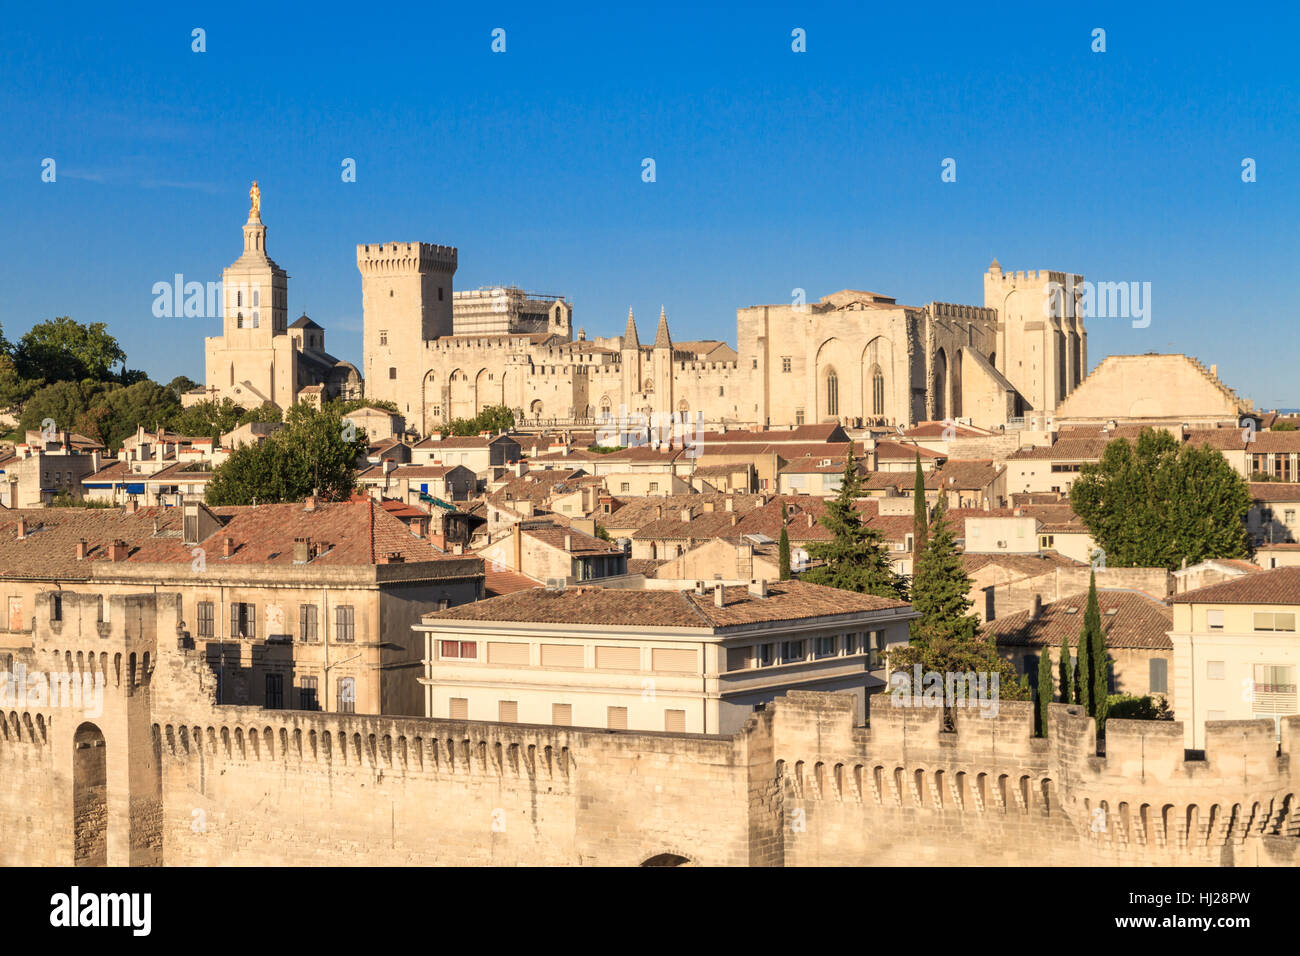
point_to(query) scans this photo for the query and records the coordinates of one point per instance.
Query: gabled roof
(1278, 586)
(1130, 619)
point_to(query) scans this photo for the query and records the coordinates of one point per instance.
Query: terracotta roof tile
(1129, 619)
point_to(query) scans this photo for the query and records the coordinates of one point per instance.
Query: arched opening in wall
(993, 359)
(1060, 365)
(606, 408)
(954, 384)
(939, 385)
(877, 379)
(89, 797)
(483, 391)
(535, 409)
(667, 859)
(430, 402)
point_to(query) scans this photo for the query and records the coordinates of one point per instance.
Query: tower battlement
(396, 258)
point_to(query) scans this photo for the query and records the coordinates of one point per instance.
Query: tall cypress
(1066, 670)
(1097, 654)
(1083, 675)
(1044, 689)
(783, 554)
(920, 516)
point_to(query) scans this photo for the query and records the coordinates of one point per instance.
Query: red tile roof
(1129, 619)
(1278, 586)
(786, 601)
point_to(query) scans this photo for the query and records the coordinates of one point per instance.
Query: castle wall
(189, 782)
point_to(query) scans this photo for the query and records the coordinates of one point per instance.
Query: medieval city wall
(183, 781)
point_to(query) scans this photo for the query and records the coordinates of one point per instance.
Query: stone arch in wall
(667, 859)
(535, 408)
(460, 401)
(877, 365)
(89, 796)
(1062, 362)
(430, 402)
(954, 385)
(939, 384)
(486, 390)
(606, 408)
(830, 386)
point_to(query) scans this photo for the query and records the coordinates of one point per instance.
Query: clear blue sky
(775, 169)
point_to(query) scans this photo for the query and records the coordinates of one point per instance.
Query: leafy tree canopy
(311, 454)
(63, 349)
(493, 418)
(1157, 502)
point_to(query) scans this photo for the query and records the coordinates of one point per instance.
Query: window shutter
(619, 658)
(617, 718)
(234, 620)
(508, 711)
(677, 659)
(459, 708)
(675, 721)
(562, 715)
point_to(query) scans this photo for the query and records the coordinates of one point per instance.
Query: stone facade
(163, 775)
(260, 357)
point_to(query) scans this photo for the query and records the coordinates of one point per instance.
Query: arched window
(877, 391)
(239, 299)
(239, 320)
(256, 298)
(832, 393)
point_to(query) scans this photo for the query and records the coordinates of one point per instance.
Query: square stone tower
(1041, 344)
(406, 296)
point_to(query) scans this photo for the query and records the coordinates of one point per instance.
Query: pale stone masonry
(161, 774)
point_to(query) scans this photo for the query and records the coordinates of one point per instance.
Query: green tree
(855, 559)
(1098, 659)
(311, 454)
(1066, 671)
(493, 418)
(207, 419)
(946, 637)
(182, 384)
(1157, 502)
(266, 412)
(63, 349)
(920, 517)
(941, 587)
(1278, 426)
(14, 389)
(783, 554)
(1044, 689)
(1127, 707)
(1083, 673)
(63, 403)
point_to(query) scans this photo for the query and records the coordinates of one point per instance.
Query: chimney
(757, 588)
(659, 511)
(301, 550)
(392, 557)
(717, 596)
(418, 527)
(686, 513)
(568, 542)
(699, 587)
(81, 550)
(730, 504)
(388, 465)
(227, 547)
(117, 551)
(457, 549)
(309, 504)
(1037, 608)
(22, 528)
(132, 506)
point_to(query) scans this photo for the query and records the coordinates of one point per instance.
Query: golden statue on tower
(255, 196)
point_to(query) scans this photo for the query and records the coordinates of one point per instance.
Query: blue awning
(135, 488)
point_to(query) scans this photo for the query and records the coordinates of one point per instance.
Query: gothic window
(383, 336)
(239, 320)
(877, 391)
(832, 393)
(239, 299)
(785, 363)
(256, 297)
(255, 318)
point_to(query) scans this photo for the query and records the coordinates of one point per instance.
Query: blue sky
(775, 170)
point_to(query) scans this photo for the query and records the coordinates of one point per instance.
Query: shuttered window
(676, 659)
(619, 658)
(1159, 675)
(459, 708)
(508, 711)
(616, 718)
(500, 652)
(562, 655)
(562, 715)
(675, 721)
(738, 658)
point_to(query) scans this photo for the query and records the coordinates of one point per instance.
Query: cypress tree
(783, 554)
(856, 558)
(1044, 689)
(941, 587)
(920, 522)
(1083, 675)
(1066, 671)
(1097, 654)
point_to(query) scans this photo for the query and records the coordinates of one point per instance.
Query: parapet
(391, 258)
